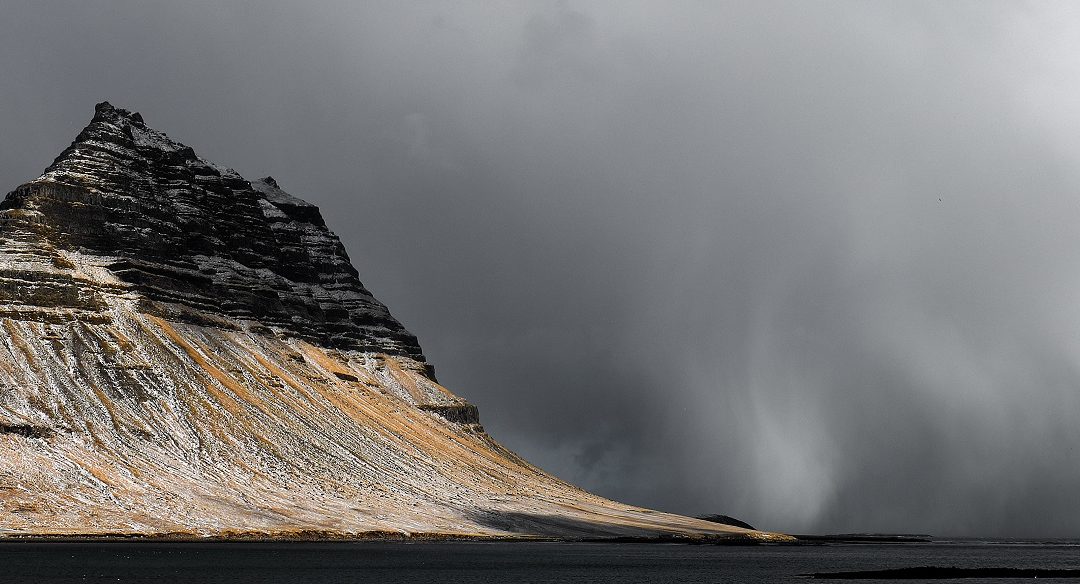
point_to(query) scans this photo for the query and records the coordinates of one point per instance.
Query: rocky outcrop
(195, 241)
(186, 352)
(727, 520)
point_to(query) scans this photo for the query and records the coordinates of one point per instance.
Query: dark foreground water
(420, 563)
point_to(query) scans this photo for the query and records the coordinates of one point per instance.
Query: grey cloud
(807, 264)
(557, 43)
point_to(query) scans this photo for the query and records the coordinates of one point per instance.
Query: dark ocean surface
(421, 563)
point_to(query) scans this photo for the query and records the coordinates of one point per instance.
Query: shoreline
(388, 537)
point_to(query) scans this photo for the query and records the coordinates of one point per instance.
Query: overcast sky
(812, 264)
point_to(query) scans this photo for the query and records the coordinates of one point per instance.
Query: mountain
(185, 352)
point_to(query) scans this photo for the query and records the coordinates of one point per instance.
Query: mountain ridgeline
(187, 353)
(198, 242)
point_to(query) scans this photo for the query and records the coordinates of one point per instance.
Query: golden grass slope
(143, 426)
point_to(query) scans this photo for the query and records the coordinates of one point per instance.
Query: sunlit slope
(140, 425)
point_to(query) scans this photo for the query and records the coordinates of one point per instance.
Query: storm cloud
(814, 265)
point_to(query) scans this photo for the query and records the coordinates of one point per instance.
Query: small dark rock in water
(935, 573)
(865, 538)
(727, 520)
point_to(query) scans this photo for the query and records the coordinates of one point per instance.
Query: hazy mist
(812, 264)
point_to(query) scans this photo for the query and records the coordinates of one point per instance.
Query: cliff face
(184, 351)
(195, 241)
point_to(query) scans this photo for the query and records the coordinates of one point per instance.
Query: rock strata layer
(195, 241)
(185, 352)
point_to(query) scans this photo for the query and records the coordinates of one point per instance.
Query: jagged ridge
(195, 240)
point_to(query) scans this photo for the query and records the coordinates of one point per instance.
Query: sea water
(421, 563)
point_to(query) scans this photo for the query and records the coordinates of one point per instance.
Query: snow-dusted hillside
(183, 351)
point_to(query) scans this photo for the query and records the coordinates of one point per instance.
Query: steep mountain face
(186, 352)
(196, 241)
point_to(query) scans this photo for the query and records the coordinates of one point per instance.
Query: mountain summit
(189, 353)
(198, 242)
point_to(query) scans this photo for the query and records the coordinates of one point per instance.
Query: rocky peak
(188, 240)
(106, 112)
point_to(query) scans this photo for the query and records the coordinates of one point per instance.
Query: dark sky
(811, 264)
